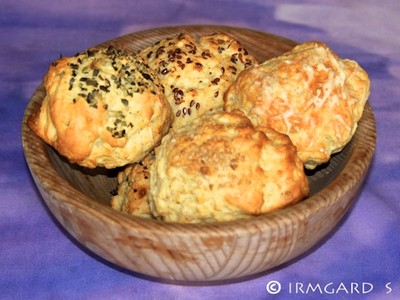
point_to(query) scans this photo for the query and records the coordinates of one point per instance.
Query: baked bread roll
(195, 73)
(308, 93)
(133, 189)
(220, 167)
(103, 107)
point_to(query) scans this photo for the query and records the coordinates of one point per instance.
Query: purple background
(39, 260)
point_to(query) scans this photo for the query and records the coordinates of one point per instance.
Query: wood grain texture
(201, 253)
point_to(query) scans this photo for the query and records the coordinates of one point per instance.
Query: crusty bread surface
(309, 94)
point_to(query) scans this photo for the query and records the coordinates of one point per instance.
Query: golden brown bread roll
(103, 107)
(220, 168)
(133, 189)
(308, 93)
(195, 73)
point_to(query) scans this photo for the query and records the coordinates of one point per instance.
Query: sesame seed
(215, 81)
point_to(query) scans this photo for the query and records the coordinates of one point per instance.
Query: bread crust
(220, 168)
(134, 188)
(103, 107)
(196, 72)
(308, 93)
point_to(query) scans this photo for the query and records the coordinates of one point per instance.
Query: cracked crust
(308, 93)
(220, 168)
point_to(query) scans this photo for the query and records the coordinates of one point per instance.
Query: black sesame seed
(90, 97)
(92, 82)
(234, 58)
(205, 54)
(215, 81)
(232, 68)
(71, 83)
(181, 64)
(146, 76)
(178, 95)
(90, 53)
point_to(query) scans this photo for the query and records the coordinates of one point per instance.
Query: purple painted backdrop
(38, 260)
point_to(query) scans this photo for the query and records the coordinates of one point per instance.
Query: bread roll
(103, 107)
(221, 168)
(309, 94)
(134, 188)
(196, 72)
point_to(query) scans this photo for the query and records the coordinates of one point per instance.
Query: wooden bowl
(79, 198)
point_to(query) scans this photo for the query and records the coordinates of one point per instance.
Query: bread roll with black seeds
(196, 73)
(103, 107)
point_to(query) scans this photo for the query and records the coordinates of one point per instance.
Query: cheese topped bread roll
(309, 94)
